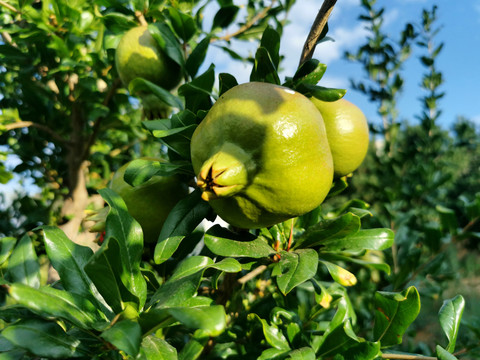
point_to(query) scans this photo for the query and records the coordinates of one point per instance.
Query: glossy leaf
(338, 340)
(140, 171)
(368, 239)
(127, 233)
(44, 339)
(296, 268)
(271, 42)
(450, 316)
(310, 72)
(6, 247)
(273, 335)
(264, 70)
(256, 248)
(138, 85)
(182, 220)
(193, 349)
(305, 353)
(50, 302)
(343, 226)
(198, 93)
(321, 93)
(126, 335)
(210, 319)
(23, 264)
(69, 259)
(229, 265)
(443, 354)
(339, 274)
(167, 41)
(363, 351)
(394, 312)
(154, 348)
(273, 353)
(225, 16)
(183, 24)
(196, 58)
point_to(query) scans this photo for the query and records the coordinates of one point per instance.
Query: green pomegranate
(139, 55)
(347, 132)
(151, 202)
(261, 155)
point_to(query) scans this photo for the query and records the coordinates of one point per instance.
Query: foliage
(308, 288)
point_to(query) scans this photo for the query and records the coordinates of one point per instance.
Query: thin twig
(9, 7)
(247, 25)
(252, 274)
(26, 124)
(316, 30)
(407, 357)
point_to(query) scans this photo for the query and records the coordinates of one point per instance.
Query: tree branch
(26, 124)
(9, 7)
(141, 18)
(407, 357)
(316, 30)
(247, 25)
(96, 126)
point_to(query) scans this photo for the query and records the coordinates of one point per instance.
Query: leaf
(450, 316)
(196, 58)
(69, 259)
(339, 274)
(210, 319)
(224, 16)
(296, 267)
(44, 339)
(154, 348)
(264, 70)
(139, 85)
(320, 92)
(183, 24)
(50, 302)
(338, 340)
(167, 41)
(271, 42)
(273, 335)
(193, 349)
(198, 92)
(310, 72)
(219, 245)
(6, 247)
(305, 353)
(273, 353)
(139, 171)
(229, 265)
(182, 220)
(394, 312)
(127, 233)
(226, 82)
(448, 219)
(368, 239)
(363, 351)
(331, 228)
(23, 265)
(444, 354)
(126, 335)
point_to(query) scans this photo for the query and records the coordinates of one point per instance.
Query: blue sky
(459, 60)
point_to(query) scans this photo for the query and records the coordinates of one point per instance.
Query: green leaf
(6, 247)
(310, 72)
(139, 85)
(69, 259)
(154, 348)
(443, 354)
(50, 302)
(196, 58)
(368, 239)
(193, 349)
(217, 243)
(264, 69)
(394, 312)
(167, 41)
(273, 353)
(450, 316)
(448, 219)
(183, 24)
(339, 274)
(320, 92)
(296, 268)
(127, 233)
(210, 319)
(271, 42)
(139, 171)
(183, 283)
(363, 351)
(340, 227)
(182, 220)
(198, 93)
(23, 265)
(338, 340)
(229, 265)
(126, 335)
(226, 82)
(44, 339)
(272, 333)
(305, 353)
(225, 16)
(117, 22)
